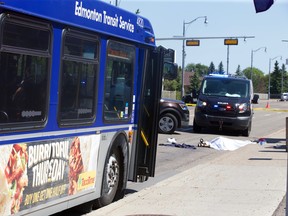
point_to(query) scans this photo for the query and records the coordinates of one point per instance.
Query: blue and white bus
(80, 84)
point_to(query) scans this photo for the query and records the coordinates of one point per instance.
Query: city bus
(79, 99)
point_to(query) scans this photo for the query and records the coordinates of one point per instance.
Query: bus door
(147, 133)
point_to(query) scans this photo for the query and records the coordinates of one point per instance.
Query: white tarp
(222, 143)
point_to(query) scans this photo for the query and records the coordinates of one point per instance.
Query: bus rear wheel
(111, 179)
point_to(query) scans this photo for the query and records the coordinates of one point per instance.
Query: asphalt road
(172, 160)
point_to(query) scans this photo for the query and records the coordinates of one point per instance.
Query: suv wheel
(247, 131)
(196, 127)
(167, 123)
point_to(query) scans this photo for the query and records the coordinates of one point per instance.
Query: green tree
(275, 79)
(284, 80)
(200, 69)
(174, 85)
(258, 79)
(238, 71)
(221, 68)
(179, 78)
(211, 68)
(190, 67)
(194, 83)
(171, 85)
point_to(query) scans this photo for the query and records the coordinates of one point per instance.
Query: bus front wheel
(111, 179)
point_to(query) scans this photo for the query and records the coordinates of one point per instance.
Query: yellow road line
(270, 109)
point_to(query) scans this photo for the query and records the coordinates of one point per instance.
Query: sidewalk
(248, 181)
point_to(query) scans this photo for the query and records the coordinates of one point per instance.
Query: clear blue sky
(225, 18)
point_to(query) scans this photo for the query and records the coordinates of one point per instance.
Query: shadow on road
(129, 191)
(275, 140)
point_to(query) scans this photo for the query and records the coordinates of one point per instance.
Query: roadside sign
(231, 41)
(192, 42)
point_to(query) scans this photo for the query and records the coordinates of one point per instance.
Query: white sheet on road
(222, 143)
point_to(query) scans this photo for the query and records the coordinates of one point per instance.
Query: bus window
(78, 79)
(24, 72)
(118, 81)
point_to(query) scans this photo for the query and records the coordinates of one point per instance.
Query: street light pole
(282, 91)
(271, 59)
(183, 49)
(183, 61)
(269, 79)
(281, 81)
(228, 59)
(252, 51)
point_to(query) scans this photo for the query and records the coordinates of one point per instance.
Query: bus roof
(92, 15)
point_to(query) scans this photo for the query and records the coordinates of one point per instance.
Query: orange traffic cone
(267, 105)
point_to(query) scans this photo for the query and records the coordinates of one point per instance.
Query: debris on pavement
(223, 143)
(262, 141)
(172, 142)
(203, 143)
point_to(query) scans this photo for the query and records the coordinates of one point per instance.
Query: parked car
(284, 96)
(224, 102)
(173, 114)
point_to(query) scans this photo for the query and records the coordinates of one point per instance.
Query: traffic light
(231, 41)
(192, 42)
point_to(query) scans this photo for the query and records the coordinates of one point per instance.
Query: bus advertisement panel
(34, 173)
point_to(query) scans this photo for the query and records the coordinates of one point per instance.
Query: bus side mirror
(170, 71)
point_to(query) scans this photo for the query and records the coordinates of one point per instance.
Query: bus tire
(111, 179)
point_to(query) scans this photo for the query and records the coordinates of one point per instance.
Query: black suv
(224, 102)
(173, 114)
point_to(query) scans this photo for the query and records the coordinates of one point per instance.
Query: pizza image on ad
(15, 178)
(5, 199)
